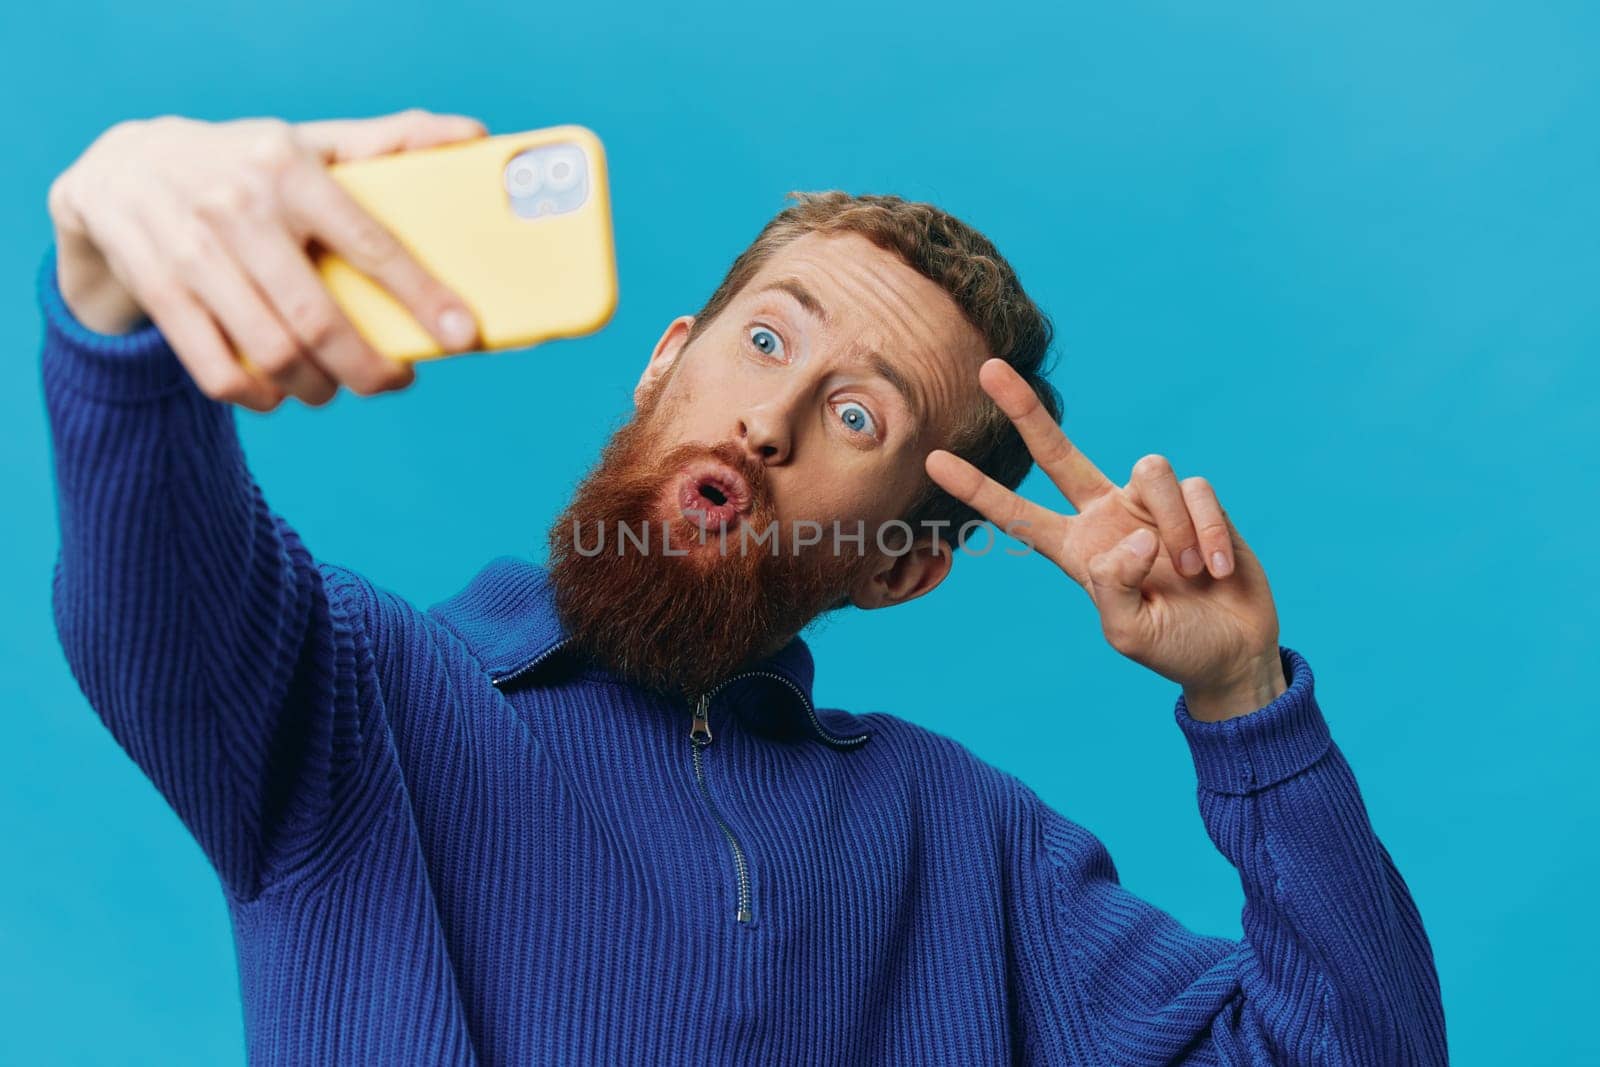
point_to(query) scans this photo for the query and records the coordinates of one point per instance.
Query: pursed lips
(713, 495)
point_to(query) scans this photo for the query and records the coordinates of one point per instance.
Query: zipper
(699, 740)
(831, 738)
(503, 679)
(811, 712)
(699, 737)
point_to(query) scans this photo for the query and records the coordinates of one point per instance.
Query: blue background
(1342, 262)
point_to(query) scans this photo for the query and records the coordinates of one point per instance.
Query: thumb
(340, 140)
(1115, 578)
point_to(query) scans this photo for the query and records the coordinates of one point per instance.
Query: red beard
(682, 623)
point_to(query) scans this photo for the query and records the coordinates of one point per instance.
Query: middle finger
(1158, 490)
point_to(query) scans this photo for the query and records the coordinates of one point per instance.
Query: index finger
(1079, 480)
(1004, 507)
(320, 207)
(339, 140)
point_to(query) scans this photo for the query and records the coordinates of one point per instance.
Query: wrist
(123, 368)
(1259, 684)
(89, 289)
(1256, 751)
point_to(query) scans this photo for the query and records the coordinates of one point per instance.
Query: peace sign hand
(1142, 553)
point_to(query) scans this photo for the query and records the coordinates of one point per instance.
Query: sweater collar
(507, 617)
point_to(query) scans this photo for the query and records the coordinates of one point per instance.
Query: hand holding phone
(518, 224)
(208, 230)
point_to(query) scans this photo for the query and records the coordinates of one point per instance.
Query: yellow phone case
(526, 279)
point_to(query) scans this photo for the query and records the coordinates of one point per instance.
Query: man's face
(837, 368)
(812, 399)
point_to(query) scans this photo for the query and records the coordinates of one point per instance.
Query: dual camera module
(548, 180)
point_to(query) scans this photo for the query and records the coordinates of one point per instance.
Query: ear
(904, 577)
(664, 356)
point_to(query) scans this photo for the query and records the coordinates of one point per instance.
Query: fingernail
(1219, 564)
(1190, 562)
(1141, 541)
(456, 327)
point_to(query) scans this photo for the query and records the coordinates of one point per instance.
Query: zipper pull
(700, 732)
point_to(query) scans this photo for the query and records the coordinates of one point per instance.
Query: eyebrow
(801, 295)
(875, 360)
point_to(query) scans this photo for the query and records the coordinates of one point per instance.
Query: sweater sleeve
(196, 623)
(1334, 966)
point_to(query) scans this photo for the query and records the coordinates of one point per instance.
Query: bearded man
(589, 811)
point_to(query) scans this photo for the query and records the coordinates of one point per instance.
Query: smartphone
(518, 224)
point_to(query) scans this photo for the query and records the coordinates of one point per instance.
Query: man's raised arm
(201, 630)
(1335, 967)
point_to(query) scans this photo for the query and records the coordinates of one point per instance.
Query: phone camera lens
(522, 177)
(564, 170)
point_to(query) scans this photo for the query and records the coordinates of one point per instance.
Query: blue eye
(857, 418)
(765, 340)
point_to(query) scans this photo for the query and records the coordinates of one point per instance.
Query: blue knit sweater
(444, 840)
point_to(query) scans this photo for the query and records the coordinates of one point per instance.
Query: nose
(764, 433)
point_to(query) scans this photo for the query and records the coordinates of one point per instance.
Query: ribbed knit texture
(443, 840)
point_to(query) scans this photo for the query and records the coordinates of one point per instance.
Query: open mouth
(713, 495)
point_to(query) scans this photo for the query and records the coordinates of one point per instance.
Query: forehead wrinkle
(802, 296)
